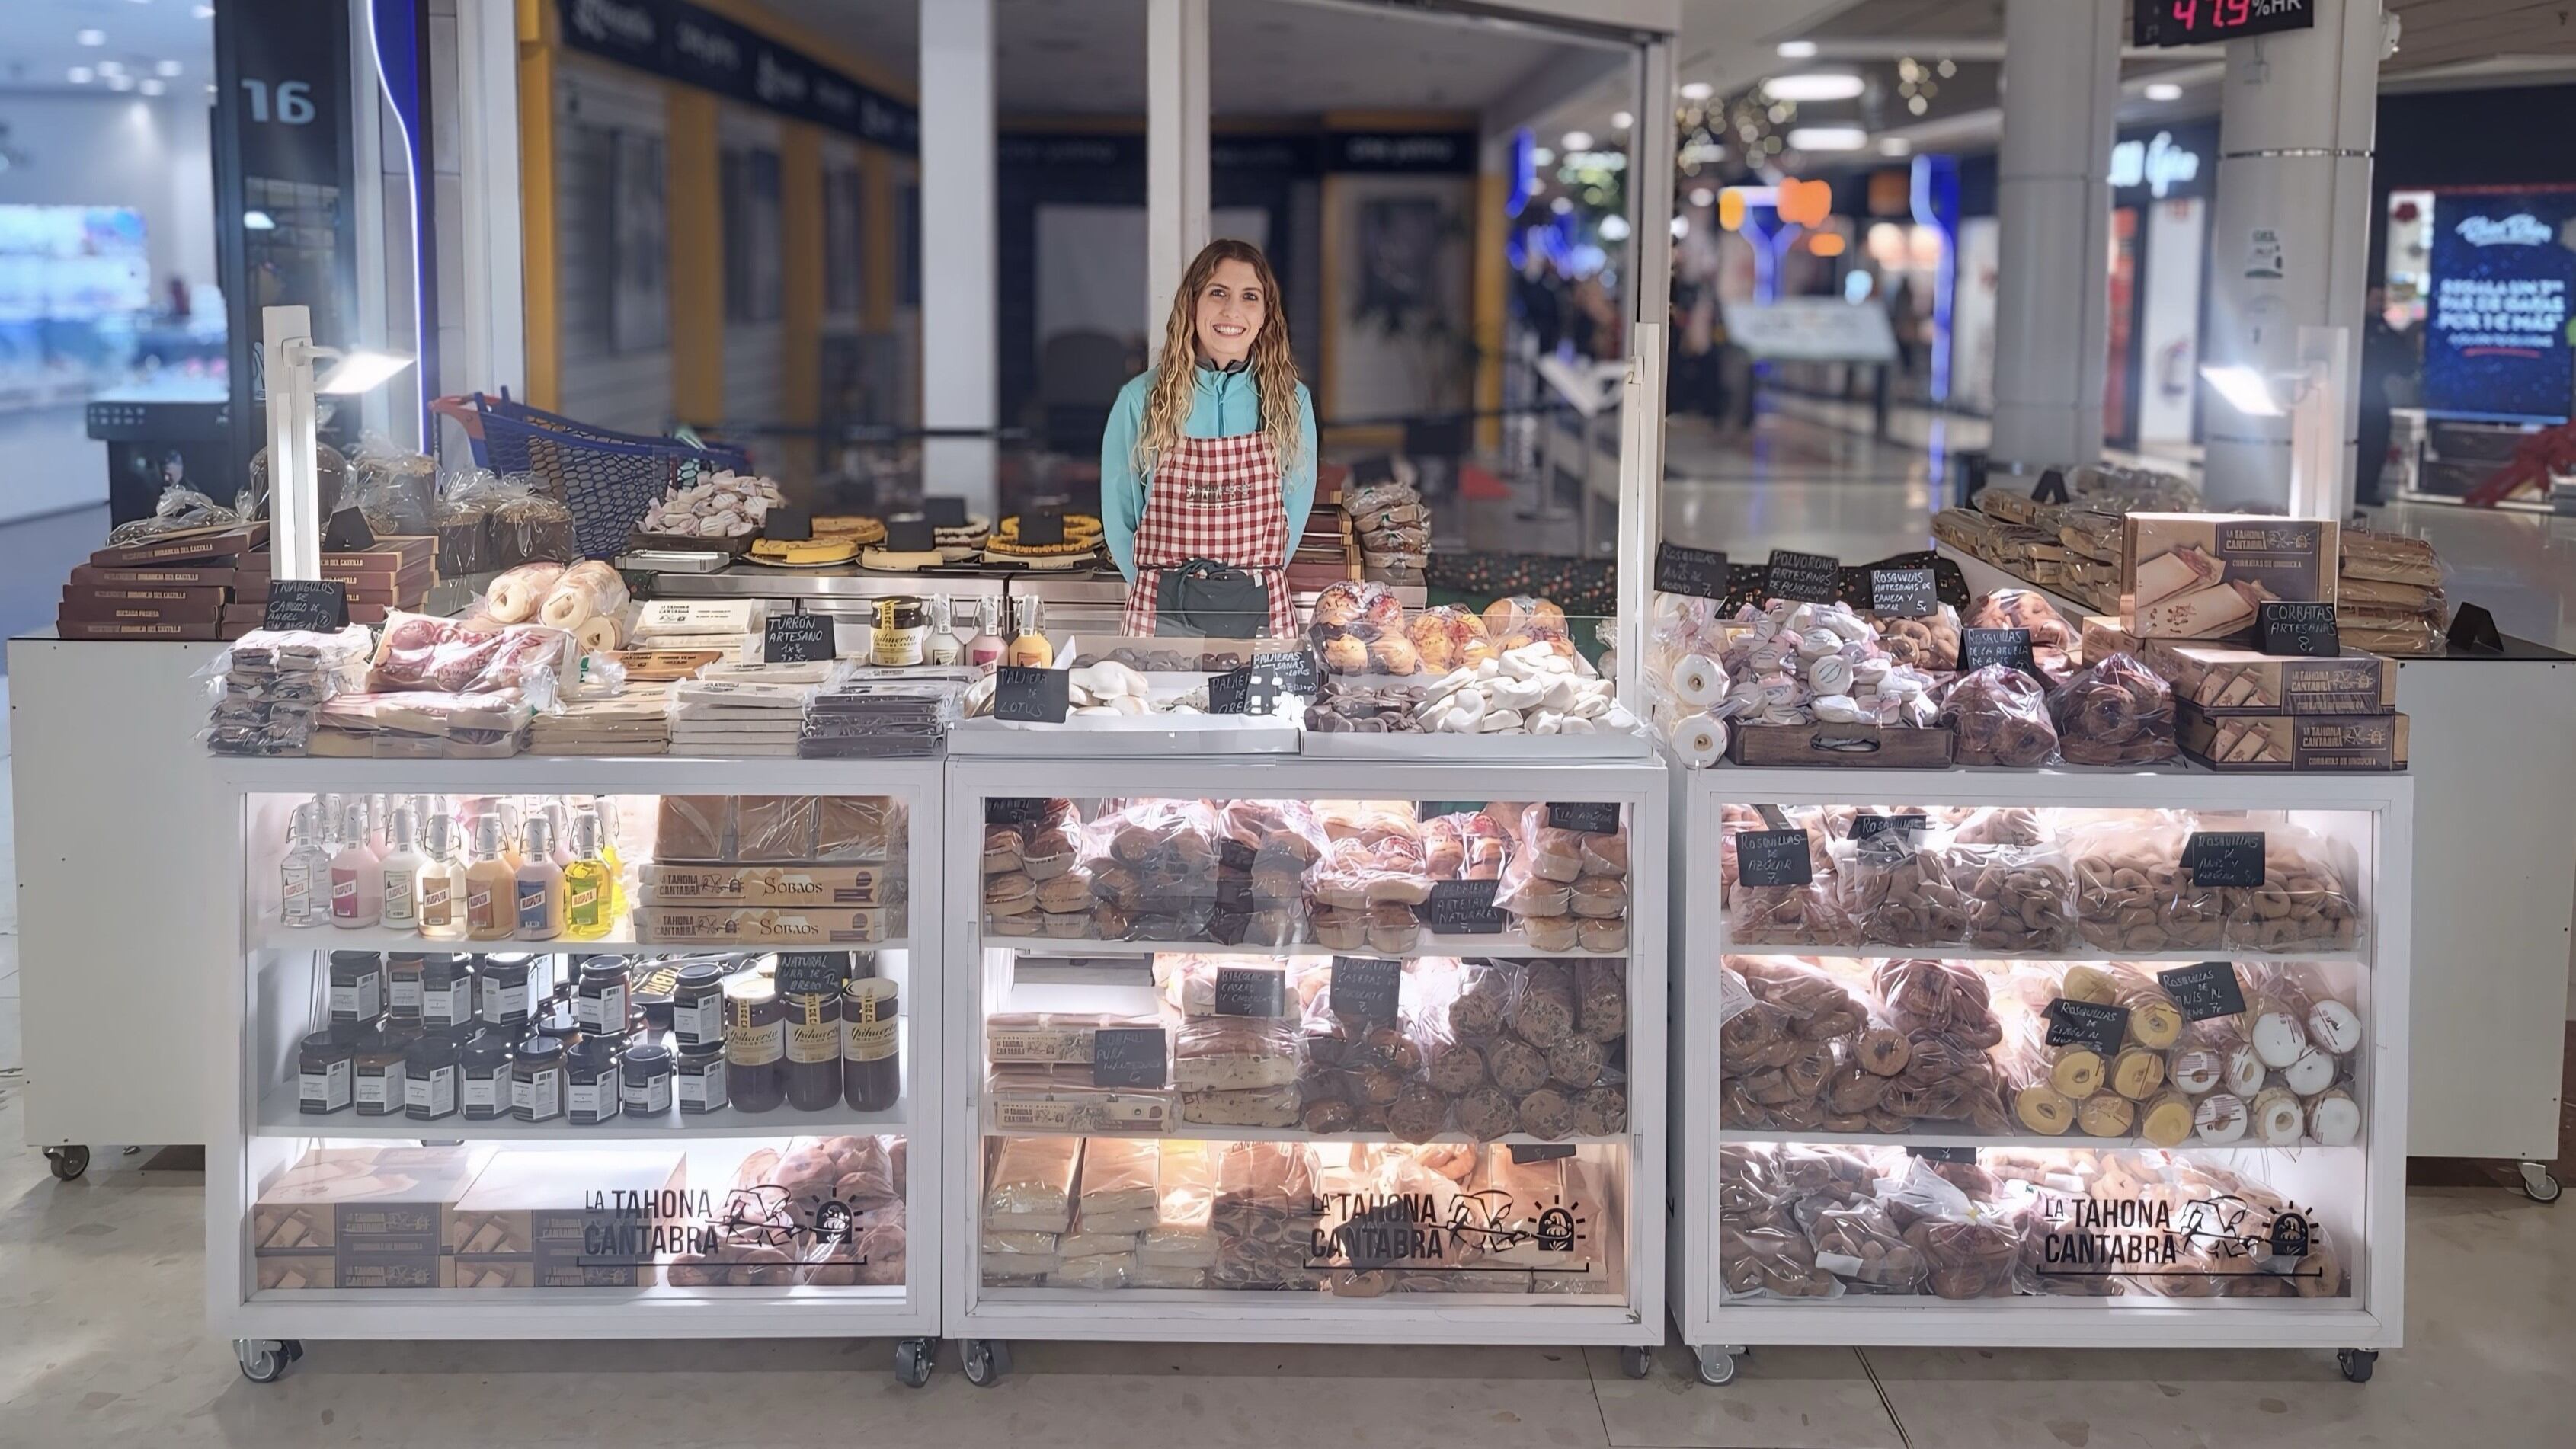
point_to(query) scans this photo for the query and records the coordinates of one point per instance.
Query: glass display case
(2065, 1058)
(563, 1048)
(1305, 1050)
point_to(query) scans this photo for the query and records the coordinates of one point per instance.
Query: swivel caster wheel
(1716, 1367)
(986, 1360)
(68, 1162)
(264, 1360)
(2538, 1183)
(1636, 1362)
(913, 1358)
(2357, 1363)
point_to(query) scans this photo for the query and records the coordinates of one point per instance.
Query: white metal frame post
(294, 504)
(2062, 80)
(959, 376)
(1176, 150)
(494, 314)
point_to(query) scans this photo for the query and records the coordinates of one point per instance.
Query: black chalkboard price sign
(944, 510)
(910, 533)
(1365, 989)
(1903, 593)
(1251, 991)
(2224, 858)
(2009, 647)
(1591, 817)
(318, 605)
(1806, 578)
(1866, 826)
(1031, 696)
(1042, 527)
(1698, 572)
(2306, 630)
(1773, 858)
(1465, 908)
(812, 972)
(2087, 1024)
(2203, 991)
(796, 639)
(1130, 1056)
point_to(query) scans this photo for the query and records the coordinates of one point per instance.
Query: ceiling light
(1622, 120)
(1828, 138)
(2163, 91)
(1614, 228)
(1577, 140)
(1797, 50)
(80, 75)
(2244, 388)
(258, 221)
(1561, 205)
(1819, 85)
(1918, 105)
(92, 37)
(1702, 196)
(111, 67)
(1895, 146)
(1698, 91)
(167, 67)
(152, 88)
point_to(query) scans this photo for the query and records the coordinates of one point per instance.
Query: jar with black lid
(599, 994)
(871, 1060)
(697, 1005)
(376, 1082)
(902, 632)
(325, 1062)
(590, 1080)
(484, 1092)
(446, 992)
(644, 1081)
(537, 1080)
(357, 987)
(403, 983)
(698, 1079)
(509, 988)
(558, 1019)
(431, 1077)
(755, 1044)
(648, 992)
(813, 1049)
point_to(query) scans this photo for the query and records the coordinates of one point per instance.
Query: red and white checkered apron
(1219, 499)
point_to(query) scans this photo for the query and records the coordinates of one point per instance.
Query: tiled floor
(103, 1340)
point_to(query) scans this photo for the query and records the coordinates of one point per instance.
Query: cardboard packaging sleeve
(765, 925)
(586, 1207)
(2224, 680)
(2204, 575)
(385, 1200)
(840, 886)
(350, 1268)
(2310, 743)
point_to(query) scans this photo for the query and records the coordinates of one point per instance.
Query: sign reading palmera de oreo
(2208, 575)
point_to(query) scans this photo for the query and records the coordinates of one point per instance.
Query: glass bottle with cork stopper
(490, 885)
(442, 879)
(538, 884)
(304, 871)
(589, 901)
(1030, 648)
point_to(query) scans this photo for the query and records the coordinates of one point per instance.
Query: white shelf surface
(278, 1117)
(2081, 953)
(2007, 1140)
(1202, 1132)
(271, 935)
(660, 1297)
(1509, 943)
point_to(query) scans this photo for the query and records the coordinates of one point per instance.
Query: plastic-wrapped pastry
(2301, 905)
(2001, 717)
(1898, 891)
(1601, 1000)
(1601, 1112)
(1517, 1067)
(1602, 936)
(2020, 899)
(692, 827)
(1419, 1113)
(1488, 1112)
(2115, 711)
(1947, 997)
(1575, 1062)
(1556, 933)
(1484, 997)
(2023, 609)
(1548, 1114)
(1796, 915)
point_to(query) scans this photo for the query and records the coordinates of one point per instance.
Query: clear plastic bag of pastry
(1970, 1249)
(2115, 711)
(1896, 889)
(1930, 642)
(2001, 715)
(2303, 903)
(1030, 1186)
(1449, 637)
(2131, 893)
(774, 827)
(1860, 1244)
(1468, 845)
(1795, 915)
(1359, 629)
(2023, 609)
(2020, 898)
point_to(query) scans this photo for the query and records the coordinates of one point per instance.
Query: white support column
(2291, 244)
(2061, 86)
(959, 280)
(493, 310)
(1176, 150)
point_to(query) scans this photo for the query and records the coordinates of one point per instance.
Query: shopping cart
(606, 478)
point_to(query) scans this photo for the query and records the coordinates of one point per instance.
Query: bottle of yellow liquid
(491, 886)
(589, 886)
(1030, 648)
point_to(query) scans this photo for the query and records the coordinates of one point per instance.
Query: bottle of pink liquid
(357, 874)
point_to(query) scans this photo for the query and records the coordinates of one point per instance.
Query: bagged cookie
(2302, 904)
(2115, 711)
(2001, 717)
(2020, 899)
(1897, 890)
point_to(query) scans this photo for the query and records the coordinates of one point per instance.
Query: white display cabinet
(1792, 1212)
(809, 1218)
(1245, 1181)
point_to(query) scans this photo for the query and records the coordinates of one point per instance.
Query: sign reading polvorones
(698, 47)
(2503, 291)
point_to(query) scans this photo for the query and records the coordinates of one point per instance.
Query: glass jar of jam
(644, 1081)
(537, 1080)
(557, 1019)
(446, 992)
(376, 1081)
(599, 995)
(402, 983)
(871, 1060)
(813, 1049)
(431, 1078)
(325, 1062)
(755, 1044)
(902, 632)
(510, 988)
(590, 1080)
(357, 987)
(648, 991)
(698, 1079)
(483, 1093)
(697, 1005)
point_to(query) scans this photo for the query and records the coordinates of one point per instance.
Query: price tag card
(812, 971)
(1031, 696)
(2224, 858)
(1902, 593)
(1465, 908)
(1865, 827)
(1255, 688)
(1016, 809)
(1528, 1153)
(1251, 991)
(2306, 630)
(348, 532)
(318, 605)
(944, 510)
(1698, 572)
(1042, 527)
(1365, 989)
(787, 524)
(2010, 647)
(910, 533)
(796, 639)
(1773, 858)
(2087, 1024)
(1130, 1056)
(1295, 669)
(2206, 990)
(1944, 1154)
(1591, 817)
(1807, 578)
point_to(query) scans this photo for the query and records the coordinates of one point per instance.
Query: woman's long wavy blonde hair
(1274, 372)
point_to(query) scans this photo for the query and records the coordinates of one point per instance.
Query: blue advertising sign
(2504, 264)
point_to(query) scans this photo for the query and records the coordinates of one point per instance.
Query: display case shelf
(1201, 1132)
(1511, 945)
(2006, 1140)
(2083, 953)
(271, 935)
(279, 1118)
